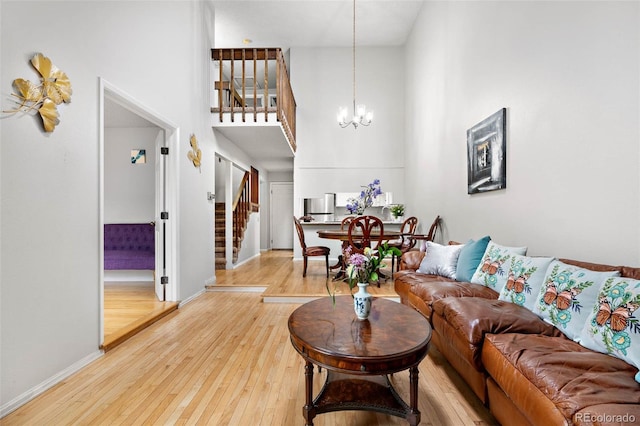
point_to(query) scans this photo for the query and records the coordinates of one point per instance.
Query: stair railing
(239, 72)
(241, 209)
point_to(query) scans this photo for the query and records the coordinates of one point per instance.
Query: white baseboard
(189, 299)
(295, 299)
(237, 289)
(246, 260)
(30, 394)
(332, 260)
(128, 275)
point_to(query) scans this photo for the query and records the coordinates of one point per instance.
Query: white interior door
(281, 215)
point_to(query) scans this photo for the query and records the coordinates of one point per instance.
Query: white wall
(251, 242)
(332, 159)
(129, 189)
(159, 54)
(568, 74)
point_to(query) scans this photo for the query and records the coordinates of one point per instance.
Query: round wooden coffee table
(358, 355)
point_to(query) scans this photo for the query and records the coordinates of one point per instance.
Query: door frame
(172, 136)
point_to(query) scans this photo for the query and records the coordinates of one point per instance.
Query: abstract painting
(486, 154)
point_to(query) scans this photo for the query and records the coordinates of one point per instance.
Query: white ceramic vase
(362, 301)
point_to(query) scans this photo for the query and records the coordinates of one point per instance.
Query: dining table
(343, 235)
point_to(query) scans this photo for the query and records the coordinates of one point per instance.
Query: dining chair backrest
(360, 230)
(346, 222)
(408, 228)
(409, 225)
(433, 229)
(300, 232)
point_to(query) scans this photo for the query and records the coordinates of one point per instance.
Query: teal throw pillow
(493, 268)
(470, 257)
(567, 296)
(524, 280)
(612, 326)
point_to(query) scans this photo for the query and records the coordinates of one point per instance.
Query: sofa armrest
(411, 260)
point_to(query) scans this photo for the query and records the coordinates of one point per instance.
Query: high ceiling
(294, 23)
(305, 23)
(311, 23)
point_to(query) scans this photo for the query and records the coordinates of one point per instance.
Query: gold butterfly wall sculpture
(53, 89)
(195, 155)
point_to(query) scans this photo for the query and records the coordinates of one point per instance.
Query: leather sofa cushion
(567, 376)
(411, 260)
(598, 267)
(403, 282)
(469, 319)
(436, 290)
(630, 272)
(473, 317)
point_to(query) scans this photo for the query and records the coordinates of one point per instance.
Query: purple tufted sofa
(129, 246)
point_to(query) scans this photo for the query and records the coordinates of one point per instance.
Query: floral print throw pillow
(567, 295)
(612, 326)
(524, 279)
(492, 270)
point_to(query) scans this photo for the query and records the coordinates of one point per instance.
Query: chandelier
(360, 114)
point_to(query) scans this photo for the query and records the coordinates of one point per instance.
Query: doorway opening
(138, 188)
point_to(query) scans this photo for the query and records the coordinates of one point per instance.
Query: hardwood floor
(128, 308)
(225, 359)
(282, 279)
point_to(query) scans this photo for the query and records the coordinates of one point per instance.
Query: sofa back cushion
(525, 276)
(630, 272)
(567, 295)
(492, 271)
(612, 326)
(470, 257)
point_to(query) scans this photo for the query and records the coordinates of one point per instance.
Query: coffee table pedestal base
(360, 392)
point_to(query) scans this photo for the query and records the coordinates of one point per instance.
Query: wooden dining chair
(360, 230)
(406, 242)
(346, 222)
(360, 234)
(431, 235)
(310, 250)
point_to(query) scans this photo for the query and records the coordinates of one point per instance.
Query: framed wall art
(138, 156)
(487, 154)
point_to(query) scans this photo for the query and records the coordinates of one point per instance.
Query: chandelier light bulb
(369, 117)
(342, 116)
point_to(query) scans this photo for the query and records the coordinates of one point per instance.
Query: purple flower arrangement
(367, 196)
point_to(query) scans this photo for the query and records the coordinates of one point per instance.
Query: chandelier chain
(360, 115)
(354, 55)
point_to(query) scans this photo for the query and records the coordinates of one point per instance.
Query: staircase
(220, 229)
(243, 206)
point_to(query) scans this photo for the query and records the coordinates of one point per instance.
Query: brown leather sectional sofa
(524, 369)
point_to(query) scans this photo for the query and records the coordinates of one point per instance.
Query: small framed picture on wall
(138, 156)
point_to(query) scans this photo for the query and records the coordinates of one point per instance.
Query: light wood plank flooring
(282, 279)
(128, 308)
(225, 359)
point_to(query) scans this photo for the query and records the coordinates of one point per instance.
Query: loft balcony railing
(253, 85)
